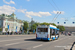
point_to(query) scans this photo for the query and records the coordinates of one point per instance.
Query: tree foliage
(53, 24)
(33, 27)
(47, 24)
(6, 29)
(3, 14)
(44, 23)
(37, 24)
(62, 28)
(0, 29)
(25, 25)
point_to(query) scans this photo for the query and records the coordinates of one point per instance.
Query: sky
(41, 10)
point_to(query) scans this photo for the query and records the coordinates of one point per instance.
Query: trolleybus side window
(57, 32)
(50, 30)
(53, 31)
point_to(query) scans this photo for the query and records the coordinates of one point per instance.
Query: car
(69, 34)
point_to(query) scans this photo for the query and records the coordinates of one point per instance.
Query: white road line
(15, 43)
(37, 46)
(12, 44)
(14, 39)
(59, 39)
(50, 42)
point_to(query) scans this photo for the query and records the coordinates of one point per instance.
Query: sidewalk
(16, 35)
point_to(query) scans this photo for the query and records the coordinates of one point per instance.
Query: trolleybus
(47, 32)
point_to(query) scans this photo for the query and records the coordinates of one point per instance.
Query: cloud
(39, 14)
(62, 18)
(72, 18)
(21, 10)
(28, 0)
(7, 9)
(28, 16)
(11, 2)
(59, 12)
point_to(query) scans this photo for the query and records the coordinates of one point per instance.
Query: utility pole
(31, 23)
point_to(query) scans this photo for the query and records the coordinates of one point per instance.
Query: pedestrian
(11, 33)
(8, 32)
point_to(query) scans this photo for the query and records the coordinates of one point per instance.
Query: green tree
(25, 25)
(0, 29)
(47, 24)
(53, 24)
(6, 29)
(37, 24)
(61, 28)
(44, 23)
(3, 14)
(33, 27)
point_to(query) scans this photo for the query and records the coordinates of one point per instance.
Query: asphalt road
(28, 42)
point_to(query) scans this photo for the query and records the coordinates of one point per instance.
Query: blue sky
(41, 10)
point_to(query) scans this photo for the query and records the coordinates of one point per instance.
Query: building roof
(11, 17)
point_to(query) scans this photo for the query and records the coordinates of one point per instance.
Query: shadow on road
(15, 49)
(11, 49)
(36, 40)
(1, 47)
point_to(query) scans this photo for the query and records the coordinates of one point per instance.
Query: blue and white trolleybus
(47, 32)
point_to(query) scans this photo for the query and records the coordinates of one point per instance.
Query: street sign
(57, 22)
(73, 22)
(64, 22)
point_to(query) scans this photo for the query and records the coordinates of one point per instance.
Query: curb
(14, 35)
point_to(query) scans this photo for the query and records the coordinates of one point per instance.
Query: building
(69, 29)
(11, 23)
(31, 23)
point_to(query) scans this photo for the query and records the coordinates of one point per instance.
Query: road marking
(60, 46)
(37, 46)
(13, 44)
(51, 42)
(14, 39)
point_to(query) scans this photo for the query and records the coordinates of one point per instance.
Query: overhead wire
(59, 9)
(58, 12)
(56, 17)
(52, 5)
(56, 5)
(54, 8)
